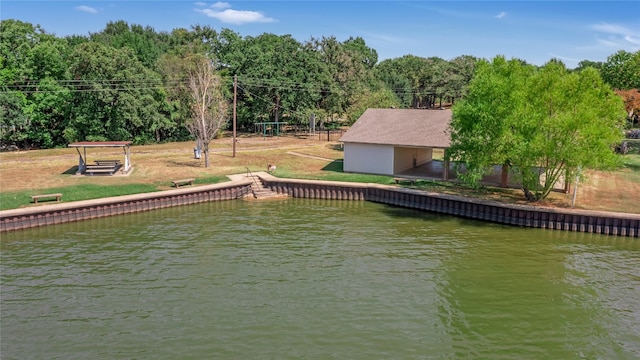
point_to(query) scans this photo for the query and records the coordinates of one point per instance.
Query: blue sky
(535, 31)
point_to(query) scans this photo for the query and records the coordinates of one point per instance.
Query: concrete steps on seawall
(259, 192)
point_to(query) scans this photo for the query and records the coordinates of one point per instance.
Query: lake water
(315, 279)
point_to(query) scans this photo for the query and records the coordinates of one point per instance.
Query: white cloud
(617, 36)
(86, 9)
(200, 3)
(237, 17)
(632, 40)
(221, 5)
(610, 28)
(501, 15)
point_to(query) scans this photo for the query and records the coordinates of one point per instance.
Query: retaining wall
(90, 209)
(607, 223)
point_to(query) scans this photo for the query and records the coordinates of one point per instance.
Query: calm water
(310, 279)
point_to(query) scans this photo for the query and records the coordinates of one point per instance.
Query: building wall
(368, 158)
(403, 158)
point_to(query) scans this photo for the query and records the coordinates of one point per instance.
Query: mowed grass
(16, 199)
(27, 173)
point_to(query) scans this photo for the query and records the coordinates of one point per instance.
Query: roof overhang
(101, 144)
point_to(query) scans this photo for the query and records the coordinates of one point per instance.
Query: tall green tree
(33, 72)
(436, 79)
(430, 79)
(115, 97)
(461, 72)
(14, 122)
(17, 40)
(278, 78)
(361, 52)
(622, 70)
(588, 63)
(381, 99)
(348, 71)
(147, 44)
(412, 68)
(543, 124)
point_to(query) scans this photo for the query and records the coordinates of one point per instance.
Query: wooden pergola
(82, 156)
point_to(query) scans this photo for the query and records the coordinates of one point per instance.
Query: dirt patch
(153, 164)
(609, 191)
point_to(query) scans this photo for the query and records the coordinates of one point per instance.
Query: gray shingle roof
(401, 127)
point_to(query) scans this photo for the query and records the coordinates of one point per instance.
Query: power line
(98, 85)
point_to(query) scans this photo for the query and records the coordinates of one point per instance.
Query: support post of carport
(504, 180)
(445, 170)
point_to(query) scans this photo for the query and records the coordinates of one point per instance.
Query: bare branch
(209, 107)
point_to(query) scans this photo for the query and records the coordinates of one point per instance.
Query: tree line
(130, 82)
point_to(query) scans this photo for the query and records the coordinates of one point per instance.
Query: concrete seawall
(599, 222)
(607, 223)
(35, 216)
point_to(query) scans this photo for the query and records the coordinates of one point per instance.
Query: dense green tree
(378, 99)
(147, 44)
(481, 133)
(460, 74)
(361, 52)
(173, 71)
(48, 113)
(435, 80)
(17, 40)
(399, 85)
(107, 85)
(116, 97)
(622, 70)
(431, 79)
(75, 40)
(278, 78)
(34, 72)
(14, 122)
(409, 67)
(543, 124)
(348, 71)
(588, 63)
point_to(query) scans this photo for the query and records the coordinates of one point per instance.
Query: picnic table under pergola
(104, 166)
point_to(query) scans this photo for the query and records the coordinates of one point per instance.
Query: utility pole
(235, 93)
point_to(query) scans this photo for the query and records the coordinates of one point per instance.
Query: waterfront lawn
(632, 162)
(156, 165)
(334, 172)
(17, 199)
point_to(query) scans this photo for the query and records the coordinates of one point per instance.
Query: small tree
(543, 123)
(209, 107)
